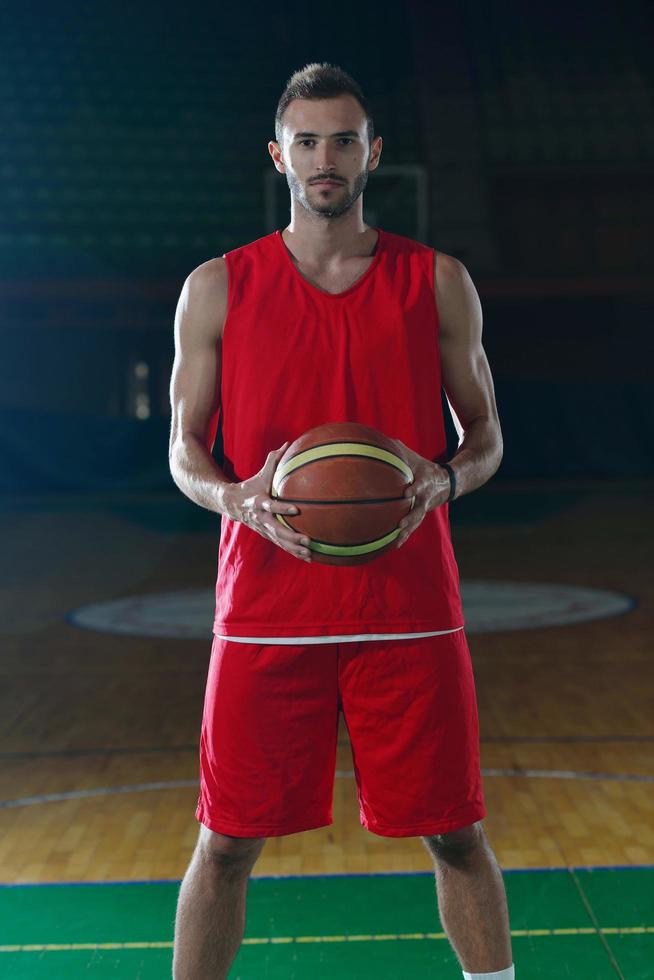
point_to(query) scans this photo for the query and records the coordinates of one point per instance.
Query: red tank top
(295, 356)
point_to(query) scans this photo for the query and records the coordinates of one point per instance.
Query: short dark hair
(321, 81)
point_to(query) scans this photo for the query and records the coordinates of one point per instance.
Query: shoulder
(452, 281)
(203, 299)
(404, 244)
(448, 270)
(207, 278)
(211, 276)
(207, 288)
(457, 299)
(207, 283)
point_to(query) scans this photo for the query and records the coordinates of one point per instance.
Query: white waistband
(347, 638)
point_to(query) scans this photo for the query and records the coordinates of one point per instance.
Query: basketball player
(330, 320)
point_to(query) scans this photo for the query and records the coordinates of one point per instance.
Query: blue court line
(335, 874)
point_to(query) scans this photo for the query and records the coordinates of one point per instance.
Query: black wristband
(452, 474)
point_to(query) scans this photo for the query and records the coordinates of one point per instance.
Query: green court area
(581, 923)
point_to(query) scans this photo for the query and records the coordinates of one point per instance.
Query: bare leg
(211, 908)
(471, 899)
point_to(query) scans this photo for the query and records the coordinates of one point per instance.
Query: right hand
(250, 502)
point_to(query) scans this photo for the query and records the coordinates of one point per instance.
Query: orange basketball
(347, 481)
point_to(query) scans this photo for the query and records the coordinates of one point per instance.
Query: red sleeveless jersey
(293, 357)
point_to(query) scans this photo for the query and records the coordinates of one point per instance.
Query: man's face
(326, 139)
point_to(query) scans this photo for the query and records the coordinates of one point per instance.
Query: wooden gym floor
(90, 721)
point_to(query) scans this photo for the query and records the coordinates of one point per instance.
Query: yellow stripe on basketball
(345, 549)
(338, 449)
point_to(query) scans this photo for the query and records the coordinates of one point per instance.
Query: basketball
(347, 481)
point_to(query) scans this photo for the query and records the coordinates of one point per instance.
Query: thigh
(411, 712)
(268, 741)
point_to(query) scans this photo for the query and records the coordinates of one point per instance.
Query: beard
(330, 208)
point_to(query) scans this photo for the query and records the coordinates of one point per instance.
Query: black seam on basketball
(329, 503)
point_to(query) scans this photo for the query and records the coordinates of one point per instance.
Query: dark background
(133, 148)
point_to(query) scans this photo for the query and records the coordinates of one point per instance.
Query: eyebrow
(345, 132)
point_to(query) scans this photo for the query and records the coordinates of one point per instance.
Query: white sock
(508, 974)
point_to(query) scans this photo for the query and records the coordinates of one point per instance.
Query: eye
(345, 139)
(302, 142)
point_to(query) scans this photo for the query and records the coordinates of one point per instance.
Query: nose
(323, 159)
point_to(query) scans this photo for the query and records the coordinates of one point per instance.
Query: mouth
(326, 183)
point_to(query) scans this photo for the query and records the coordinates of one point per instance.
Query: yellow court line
(275, 940)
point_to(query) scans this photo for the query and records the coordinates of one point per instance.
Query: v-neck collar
(355, 285)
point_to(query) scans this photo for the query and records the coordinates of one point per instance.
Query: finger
(296, 544)
(273, 456)
(264, 514)
(407, 527)
(272, 506)
(298, 551)
(295, 538)
(287, 534)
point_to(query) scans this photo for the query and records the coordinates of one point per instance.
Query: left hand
(430, 487)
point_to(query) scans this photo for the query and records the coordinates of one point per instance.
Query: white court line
(79, 794)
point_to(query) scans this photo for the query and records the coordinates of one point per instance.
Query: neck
(318, 240)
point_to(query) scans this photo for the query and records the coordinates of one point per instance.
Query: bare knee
(226, 854)
(458, 848)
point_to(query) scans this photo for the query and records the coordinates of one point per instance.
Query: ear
(375, 153)
(276, 153)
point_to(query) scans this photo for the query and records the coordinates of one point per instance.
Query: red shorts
(270, 725)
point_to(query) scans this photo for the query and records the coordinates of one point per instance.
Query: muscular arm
(195, 403)
(466, 376)
(195, 386)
